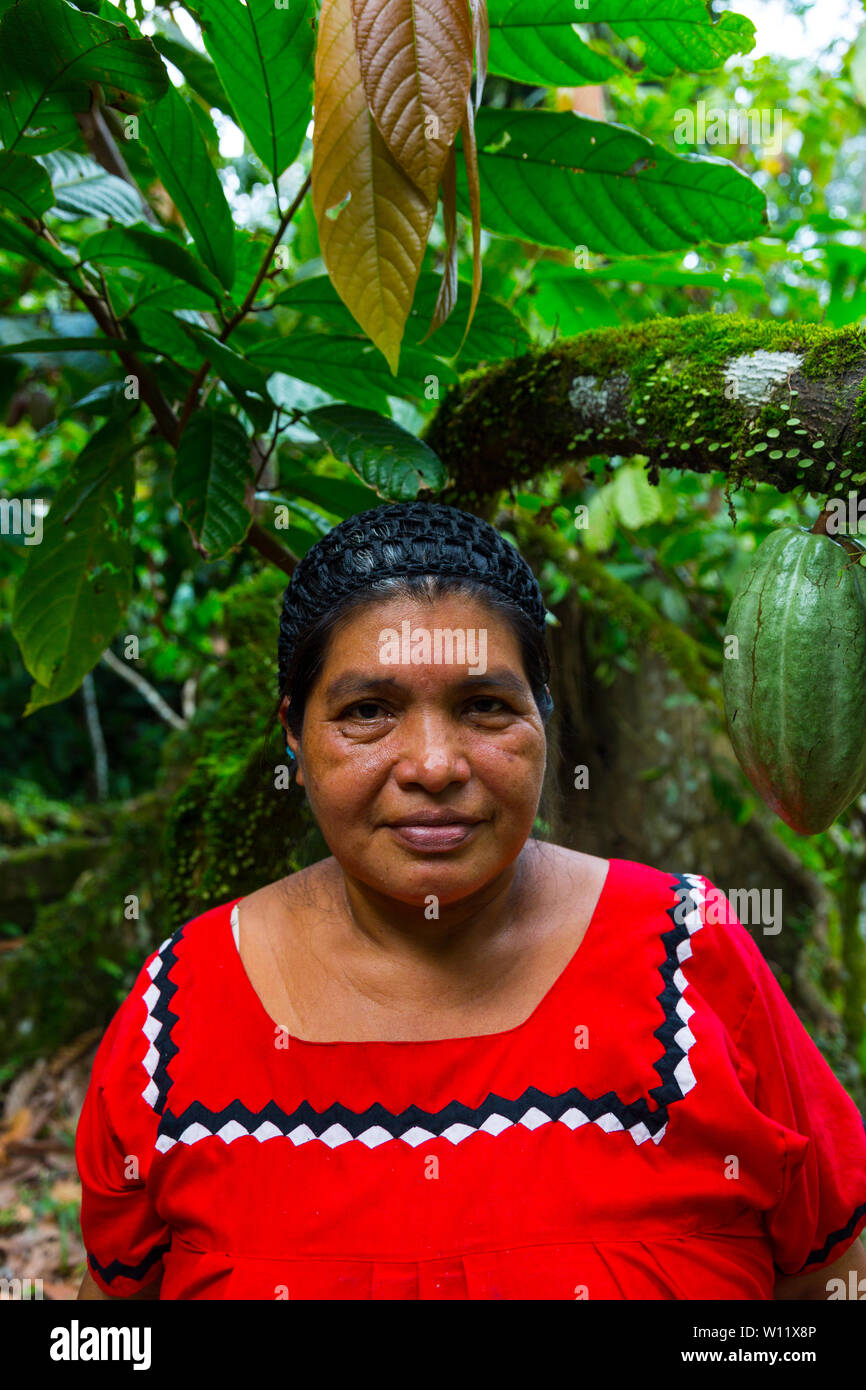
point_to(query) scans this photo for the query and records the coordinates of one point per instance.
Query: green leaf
(25, 188)
(309, 516)
(495, 332)
(340, 496)
(659, 270)
(687, 38)
(50, 54)
(681, 547)
(600, 522)
(21, 241)
(158, 290)
(28, 346)
(351, 369)
(169, 330)
(143, 248)
(186, 343)
(537, 43)
(264, 56)
(82, 186)
(211, 476)
(107, 399)
(199, 71)
(383, 454)
(247, 382)
(77, 583)
(178, 154)
(543, 48)
(574, 305)
(315, 297)
(230, 365)
(636, 501)
(560, 179)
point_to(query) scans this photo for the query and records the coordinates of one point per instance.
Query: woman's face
(388, 739)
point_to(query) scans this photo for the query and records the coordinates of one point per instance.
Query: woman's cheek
(346, 780)
(518, 755)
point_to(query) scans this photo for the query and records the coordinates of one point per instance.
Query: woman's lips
(435, 837)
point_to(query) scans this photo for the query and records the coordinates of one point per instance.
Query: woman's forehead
(397, 636)
(467, 618)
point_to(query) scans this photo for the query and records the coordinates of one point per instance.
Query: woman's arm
(814, 1286)
(90, 1289)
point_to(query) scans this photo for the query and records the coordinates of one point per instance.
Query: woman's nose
(431, 754)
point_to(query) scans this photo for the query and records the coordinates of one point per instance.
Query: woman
(451, 1061)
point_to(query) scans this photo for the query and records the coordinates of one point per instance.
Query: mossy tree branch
(764, 400)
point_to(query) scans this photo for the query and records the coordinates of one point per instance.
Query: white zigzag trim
(152, 1026)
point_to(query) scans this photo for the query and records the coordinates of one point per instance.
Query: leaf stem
(263, 268)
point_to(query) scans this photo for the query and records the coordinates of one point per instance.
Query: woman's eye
(490, 700)
(364, 708)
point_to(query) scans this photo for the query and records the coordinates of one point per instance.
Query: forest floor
(40, 1194)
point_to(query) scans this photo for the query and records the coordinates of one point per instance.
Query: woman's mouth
(443, 835)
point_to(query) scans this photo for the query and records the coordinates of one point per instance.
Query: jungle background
(145, 793)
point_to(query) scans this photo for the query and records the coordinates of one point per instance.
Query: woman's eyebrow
(356, 682)
(504, 679)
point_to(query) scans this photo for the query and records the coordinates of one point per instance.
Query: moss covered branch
(773, 402)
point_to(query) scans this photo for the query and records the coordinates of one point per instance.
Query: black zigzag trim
(116, 1268)
(670, 996)
(818, 1256)
(629, 1113)
(398, 1124)
(162, 1011)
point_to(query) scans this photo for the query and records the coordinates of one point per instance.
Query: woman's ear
(293, 743)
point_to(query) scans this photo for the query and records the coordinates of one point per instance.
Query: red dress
(660, 1127)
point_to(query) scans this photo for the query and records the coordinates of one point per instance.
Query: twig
(102, 146)
(241, 313)
(97, 739)
(149, 388)
(189, 402)
(265, 544)
(263, 268)
(144, 688)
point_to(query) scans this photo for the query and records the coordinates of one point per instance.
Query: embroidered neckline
(377, 1125)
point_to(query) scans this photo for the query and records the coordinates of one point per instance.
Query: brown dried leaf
(66, 1190)
(16, 1127)
(470, 154)
(374, 245)
(481, 44)
(415, 58)
(447, 296)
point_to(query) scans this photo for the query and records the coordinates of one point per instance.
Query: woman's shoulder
(158, 974)
(646, 888)
(684, 906)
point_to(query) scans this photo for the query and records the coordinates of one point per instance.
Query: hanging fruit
(794, 685)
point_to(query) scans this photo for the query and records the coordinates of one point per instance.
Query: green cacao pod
(795, 697)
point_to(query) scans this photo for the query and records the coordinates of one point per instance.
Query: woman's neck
(460, 932)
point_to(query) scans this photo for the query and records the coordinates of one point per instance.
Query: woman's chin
(434, 882)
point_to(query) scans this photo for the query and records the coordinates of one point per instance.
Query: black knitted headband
(402, 539)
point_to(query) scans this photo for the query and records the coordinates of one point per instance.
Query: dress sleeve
(821, 1206)
(123, 1235)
